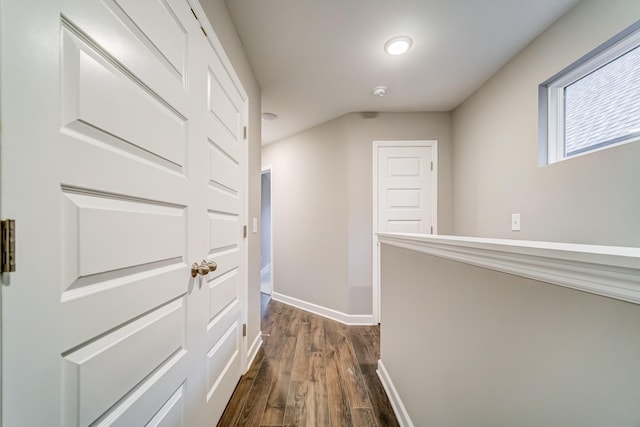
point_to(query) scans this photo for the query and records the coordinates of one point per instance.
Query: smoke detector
(269, 116)
(379, 90)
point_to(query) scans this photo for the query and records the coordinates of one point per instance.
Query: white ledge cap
(612, 271)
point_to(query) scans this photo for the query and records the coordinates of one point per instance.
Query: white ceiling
(319, 59)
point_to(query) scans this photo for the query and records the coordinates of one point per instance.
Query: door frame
(263, 170)
(244, 360)
(375, 251)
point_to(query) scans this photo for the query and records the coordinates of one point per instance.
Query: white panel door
(224, 109)
(122, 164)
(405, 195)
(405, 187)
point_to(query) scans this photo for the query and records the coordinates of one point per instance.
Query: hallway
(311, 371)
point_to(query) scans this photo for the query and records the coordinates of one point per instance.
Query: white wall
(322, 201)
(226, 32)
(468, 346)
(309, 226)
(589, 199)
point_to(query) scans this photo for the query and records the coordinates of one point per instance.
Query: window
(594, 103)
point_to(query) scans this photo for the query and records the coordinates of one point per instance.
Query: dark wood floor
(311, 371)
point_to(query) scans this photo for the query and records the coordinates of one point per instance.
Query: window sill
(611, 271)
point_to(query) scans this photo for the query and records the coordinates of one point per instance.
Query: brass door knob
(201, 269)
(212, 266)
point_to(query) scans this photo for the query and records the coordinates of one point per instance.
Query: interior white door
(405, 195)
(225, 109)
(405, 187)
(122, 165)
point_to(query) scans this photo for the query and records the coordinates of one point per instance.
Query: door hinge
(245, 133)
(244, 329)
(8, 246)
(431, 230)
(431, 166)
(244, 231)
(196, 16)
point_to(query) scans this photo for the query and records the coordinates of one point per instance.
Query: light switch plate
(515, 222)
(255, 225)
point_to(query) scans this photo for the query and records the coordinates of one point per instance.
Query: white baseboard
(347, 319)
(396, 403)
(253, 349)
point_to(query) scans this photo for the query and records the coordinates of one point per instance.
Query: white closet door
(118, 171)
(405, 189)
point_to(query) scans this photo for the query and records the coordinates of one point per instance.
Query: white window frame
(551, 114)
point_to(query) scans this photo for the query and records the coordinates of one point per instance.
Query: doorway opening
(266, 245)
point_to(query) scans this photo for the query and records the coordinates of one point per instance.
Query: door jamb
(269, 168)
(244, 361)
(377, 144)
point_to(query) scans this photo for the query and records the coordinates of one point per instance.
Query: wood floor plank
(366, 343)
(277, 399)
(311, 371)
(363, 417)
(296, 411)
(270, 317)
(290, 325)
(366, 346)
(338, 399)
(350, 371)
(360, 349)
(254, 407)
(300, 368)
(317, 413)
(234, 408)
(316, 339)
(379, 401)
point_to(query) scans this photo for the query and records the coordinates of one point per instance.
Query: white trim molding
(611, 271)
(394, 398)
(329, 313)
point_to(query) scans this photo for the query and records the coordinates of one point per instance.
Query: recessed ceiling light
(379, 90)
(269, 116)
(398, 45)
